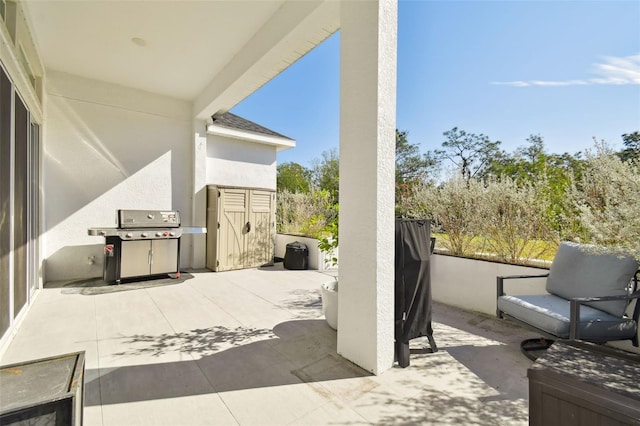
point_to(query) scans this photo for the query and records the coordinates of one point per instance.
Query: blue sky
(567, 70)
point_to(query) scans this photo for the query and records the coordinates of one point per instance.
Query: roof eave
(280, 143)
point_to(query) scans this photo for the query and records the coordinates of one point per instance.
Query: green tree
(412, 167)
(326, 173)
(469, 152)
(293, 177)
(631, 142)
(532, 164)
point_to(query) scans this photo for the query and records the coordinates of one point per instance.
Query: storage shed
(241, 184)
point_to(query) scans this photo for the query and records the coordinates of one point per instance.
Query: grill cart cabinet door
(163, 256)
(240, 227)
(136, 258)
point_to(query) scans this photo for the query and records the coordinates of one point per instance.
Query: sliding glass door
(5, 201)
(33, 208)
(20, 212)
(19, 203)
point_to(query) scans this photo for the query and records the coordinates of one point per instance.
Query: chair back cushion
(580, 271)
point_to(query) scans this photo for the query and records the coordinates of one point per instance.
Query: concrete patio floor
(251, 347)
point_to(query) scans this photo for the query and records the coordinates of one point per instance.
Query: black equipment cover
(296, 256)
(412, 285)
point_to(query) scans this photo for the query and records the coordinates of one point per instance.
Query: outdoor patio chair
(588, 297)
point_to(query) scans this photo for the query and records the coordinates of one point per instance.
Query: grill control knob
(129, 235)
(165, 233)
(158, 234)
(172, 234)
(143, 235)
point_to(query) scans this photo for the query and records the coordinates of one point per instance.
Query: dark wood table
(578, 383)
(45, 391)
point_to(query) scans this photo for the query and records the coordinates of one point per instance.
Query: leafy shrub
(606, 199)
(499, 218)
(511, 216)
(452, 207)
(328, 244)
(308, 214)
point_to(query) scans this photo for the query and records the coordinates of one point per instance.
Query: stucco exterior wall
(234, 162)
(108, 147)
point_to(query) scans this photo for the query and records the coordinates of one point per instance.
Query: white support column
(367, 175)
(198, 259)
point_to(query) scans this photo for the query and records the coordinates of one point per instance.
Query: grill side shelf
(102, 232)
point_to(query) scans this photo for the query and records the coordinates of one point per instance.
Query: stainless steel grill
(145, 243)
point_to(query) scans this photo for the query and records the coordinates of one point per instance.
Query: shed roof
(235, 122)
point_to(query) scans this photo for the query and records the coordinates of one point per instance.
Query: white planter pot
(330, 303)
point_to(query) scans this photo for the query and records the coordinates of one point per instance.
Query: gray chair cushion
(551, 314)
(576, 272)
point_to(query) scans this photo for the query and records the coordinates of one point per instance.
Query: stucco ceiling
(174, 48)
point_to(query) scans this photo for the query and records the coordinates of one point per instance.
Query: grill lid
(131, 219)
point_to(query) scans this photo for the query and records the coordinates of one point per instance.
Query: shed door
(245, 237)
(260, 236)
(233, 215)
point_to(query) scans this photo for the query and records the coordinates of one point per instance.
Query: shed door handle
(248, 226)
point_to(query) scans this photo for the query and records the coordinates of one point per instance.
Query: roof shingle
(232, 121)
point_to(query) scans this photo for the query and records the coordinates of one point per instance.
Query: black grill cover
(296, 256)
(412, 286)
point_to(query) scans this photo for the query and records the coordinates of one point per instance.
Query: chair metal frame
(575, 303)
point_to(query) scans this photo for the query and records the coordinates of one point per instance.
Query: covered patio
(252, 347)
(115, 112)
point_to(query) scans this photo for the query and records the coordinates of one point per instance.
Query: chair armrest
(500, 280)
(581, 300)
(500, 285)
(574, 319)
(507, 277)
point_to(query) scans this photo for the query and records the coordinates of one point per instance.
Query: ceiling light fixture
(139, 41)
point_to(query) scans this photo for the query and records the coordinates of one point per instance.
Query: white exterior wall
(235, 162)
(199, 214)
(108, 147)
(367, 171)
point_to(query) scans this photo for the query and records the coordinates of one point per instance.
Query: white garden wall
(317, 259)
(471, 284)
(108, 147)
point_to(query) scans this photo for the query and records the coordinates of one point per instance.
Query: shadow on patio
(245, 347)
(254, 358)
